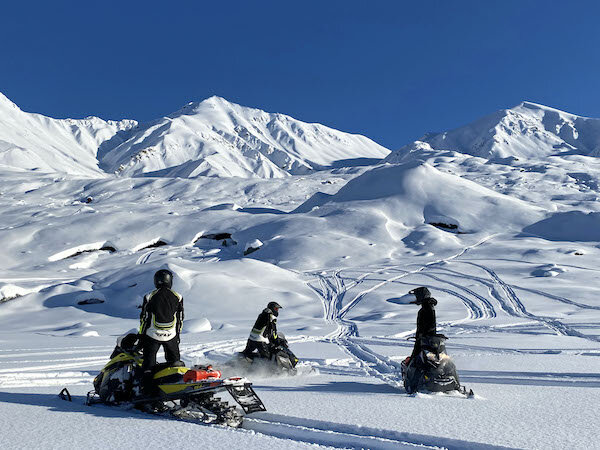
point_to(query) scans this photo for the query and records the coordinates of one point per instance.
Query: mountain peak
(531, 105)
(215, 99)
(6, 102)
(526, 131)
(528, 107)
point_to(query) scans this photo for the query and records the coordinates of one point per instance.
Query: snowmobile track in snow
(513, 305)
(348, 436)
(333, 290)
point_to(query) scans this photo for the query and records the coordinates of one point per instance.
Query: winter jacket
(426, 324)
(162, 314)
(265, 327)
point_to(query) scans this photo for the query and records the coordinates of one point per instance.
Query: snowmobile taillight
(194, 375)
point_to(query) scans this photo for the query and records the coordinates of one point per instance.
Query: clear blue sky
(391, 70)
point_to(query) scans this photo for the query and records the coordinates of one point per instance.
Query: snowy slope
(526, 131)
(510, 251)
(35, 142)
(213, 137)
(219, 138)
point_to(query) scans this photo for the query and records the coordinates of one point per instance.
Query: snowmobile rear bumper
(245, 396)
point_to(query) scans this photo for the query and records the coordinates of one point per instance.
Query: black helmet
(128, 342)
(274, 306)
(422, 294)
(163, 278)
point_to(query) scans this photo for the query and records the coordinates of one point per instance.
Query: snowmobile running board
(177, 395)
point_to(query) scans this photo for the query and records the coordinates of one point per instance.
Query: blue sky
(390, 70)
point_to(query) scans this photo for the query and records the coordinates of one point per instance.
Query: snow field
(507, 245)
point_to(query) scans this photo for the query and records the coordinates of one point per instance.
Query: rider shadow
(337, 386)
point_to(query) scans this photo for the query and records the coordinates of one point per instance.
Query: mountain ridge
(213, 137)
(526, 131)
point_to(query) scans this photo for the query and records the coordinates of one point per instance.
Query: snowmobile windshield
(434, 343)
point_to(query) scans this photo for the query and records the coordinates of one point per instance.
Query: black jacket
(162, 306)
(426, 324)
(265, 327)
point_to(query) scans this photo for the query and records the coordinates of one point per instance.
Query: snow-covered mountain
(213, 138)
(526, 131)
(36, 142)
(509, 248)
(219, 138)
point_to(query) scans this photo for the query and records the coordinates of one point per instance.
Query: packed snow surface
(506, 242)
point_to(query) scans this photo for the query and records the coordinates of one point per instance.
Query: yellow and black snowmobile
(177, 390)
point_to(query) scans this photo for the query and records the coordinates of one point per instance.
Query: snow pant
(150, 347)
(261, 347)
(416, 350)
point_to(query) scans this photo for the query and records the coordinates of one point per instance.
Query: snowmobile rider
(161, 321)
(264, 332)
(426, 324)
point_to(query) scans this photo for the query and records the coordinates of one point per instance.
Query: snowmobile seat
(162, 366)
(168, 373)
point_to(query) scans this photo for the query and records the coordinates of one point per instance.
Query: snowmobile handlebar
(414, 337)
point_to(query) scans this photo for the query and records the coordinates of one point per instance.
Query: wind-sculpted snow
(416, 193)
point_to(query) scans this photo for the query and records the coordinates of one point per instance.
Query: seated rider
(264, 332)
(426, 325)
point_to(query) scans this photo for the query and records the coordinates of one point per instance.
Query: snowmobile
(175, 390)
(432, 369)
(282, 360)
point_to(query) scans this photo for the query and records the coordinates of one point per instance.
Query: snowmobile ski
(65, 395)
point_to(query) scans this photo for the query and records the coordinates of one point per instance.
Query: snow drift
(416, 193)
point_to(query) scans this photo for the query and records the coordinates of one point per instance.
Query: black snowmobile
(281, 361)
(177, 390)
(432, 370)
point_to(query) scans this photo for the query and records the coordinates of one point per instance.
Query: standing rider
(426, 325)
(160, 323)
(264, 332)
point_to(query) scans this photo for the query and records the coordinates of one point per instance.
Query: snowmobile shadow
(559, 379)
(337, 386)
(54, 403)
